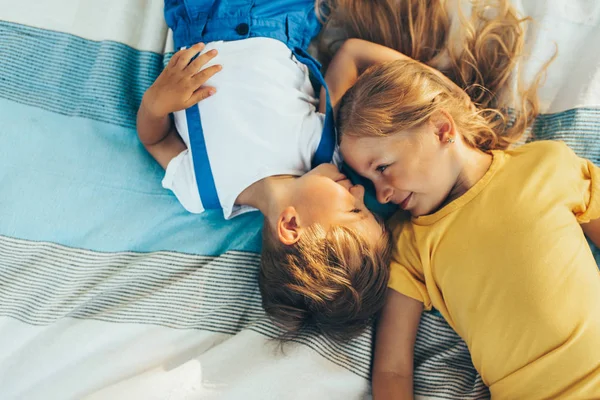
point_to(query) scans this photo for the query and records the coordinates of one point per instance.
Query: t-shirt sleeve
(406, 274)
(181, 180)
(590, 207)
(584, 187)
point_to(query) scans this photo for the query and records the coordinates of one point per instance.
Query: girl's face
(412, 169)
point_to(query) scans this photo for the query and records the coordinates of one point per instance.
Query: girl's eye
(381, 168)
(356, 210)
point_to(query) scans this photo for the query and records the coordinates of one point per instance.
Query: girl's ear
(443, 125)
(289, 230)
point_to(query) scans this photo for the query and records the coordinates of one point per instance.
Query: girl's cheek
(394, 178)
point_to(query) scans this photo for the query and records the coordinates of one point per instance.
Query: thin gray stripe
(216, 283)
(155, 267)
(113, 299)
(11, 243)
(43, 282)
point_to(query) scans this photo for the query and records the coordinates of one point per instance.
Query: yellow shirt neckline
(497, 161)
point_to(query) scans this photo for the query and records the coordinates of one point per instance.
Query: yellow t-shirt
(508, 266)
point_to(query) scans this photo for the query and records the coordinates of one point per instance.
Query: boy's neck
(269, 195)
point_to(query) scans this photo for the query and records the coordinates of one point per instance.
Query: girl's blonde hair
(480, 58)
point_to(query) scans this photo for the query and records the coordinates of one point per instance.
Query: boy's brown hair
(334, 281)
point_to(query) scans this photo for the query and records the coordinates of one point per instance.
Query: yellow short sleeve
(589, 208)
(406, 275)
(404, 282)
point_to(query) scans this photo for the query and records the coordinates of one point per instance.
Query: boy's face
(325, 196)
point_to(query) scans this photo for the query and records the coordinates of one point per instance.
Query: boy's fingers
(201, 94)
(200, 61)
(201, 77)
(186, 55)
(173, 60)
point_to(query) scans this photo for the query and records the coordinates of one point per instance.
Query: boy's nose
(358, 191)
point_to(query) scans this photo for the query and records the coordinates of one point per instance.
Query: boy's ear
(289, 230)
(443, 124)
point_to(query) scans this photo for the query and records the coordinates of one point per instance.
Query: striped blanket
(110, 290)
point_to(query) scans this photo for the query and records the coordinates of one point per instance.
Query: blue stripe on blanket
(69, 75)
(89, 184)
(107, 187)
(72, 170)
(579, 128)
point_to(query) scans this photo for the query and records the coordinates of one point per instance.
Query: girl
(494, 238)
(251, 146)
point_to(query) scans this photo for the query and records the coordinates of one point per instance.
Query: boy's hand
(179, 86)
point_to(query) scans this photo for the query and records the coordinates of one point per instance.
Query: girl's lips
(405, 202)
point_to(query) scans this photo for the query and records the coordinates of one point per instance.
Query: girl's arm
(178, 87)
(394, 347)
(592, 231)
(352, 58)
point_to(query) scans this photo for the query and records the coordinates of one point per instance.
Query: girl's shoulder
(546, 148)
(544, 153)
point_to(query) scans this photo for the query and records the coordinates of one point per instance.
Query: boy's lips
(345, 182)
(405, 202)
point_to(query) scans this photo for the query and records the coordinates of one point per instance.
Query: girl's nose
(384, 195)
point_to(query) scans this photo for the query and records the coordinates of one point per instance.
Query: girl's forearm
(394, 347)
(392, 386)
(350, 61)
(364, 53)
(341, 75)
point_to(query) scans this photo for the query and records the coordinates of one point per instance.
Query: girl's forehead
(362, 152)
(371, 143)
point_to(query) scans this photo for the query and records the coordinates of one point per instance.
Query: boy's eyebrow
(363, 213)
(380, 221)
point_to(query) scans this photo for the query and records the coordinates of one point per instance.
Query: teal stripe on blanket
(88, 184)
(579, 128)
(69, 75)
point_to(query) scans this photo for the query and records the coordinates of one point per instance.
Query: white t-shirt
(261, 122)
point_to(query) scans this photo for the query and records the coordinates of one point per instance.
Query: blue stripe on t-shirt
(202, 169)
